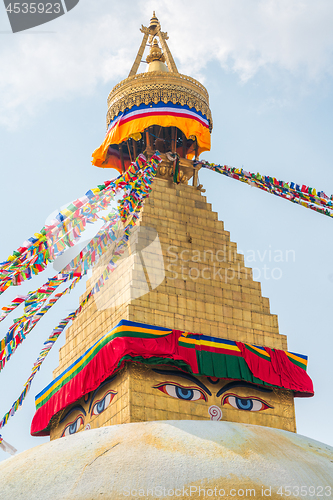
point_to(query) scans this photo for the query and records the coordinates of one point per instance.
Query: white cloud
(97, 43)
(247, 35)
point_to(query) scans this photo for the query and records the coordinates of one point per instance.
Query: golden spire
(149, 34)
(154, 23)
(161, 83)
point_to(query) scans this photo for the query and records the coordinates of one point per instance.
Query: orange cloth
(138, 118)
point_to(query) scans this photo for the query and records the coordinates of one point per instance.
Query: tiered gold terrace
(206, 289)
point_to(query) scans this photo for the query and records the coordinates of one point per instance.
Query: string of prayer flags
(300, 194)
(48, 344)
(63, 232)
(141, 185)
(136, 190)
(33, 314)
(92, 252)
(135, 185)
(42, 355)
(32, 303)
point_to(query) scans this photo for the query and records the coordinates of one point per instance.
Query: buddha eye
(247, 404)
(103, 403)
(181, 392)
(73, 427)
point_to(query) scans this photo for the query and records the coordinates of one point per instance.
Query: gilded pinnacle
(154, 22)
(155, 53)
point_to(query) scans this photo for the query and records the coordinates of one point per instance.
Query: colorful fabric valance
(157, 346)
(135, 120)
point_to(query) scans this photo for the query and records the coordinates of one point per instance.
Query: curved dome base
(169, 459)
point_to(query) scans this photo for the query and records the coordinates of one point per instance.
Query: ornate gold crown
(165, 86)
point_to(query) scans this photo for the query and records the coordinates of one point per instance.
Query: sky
(268, 68)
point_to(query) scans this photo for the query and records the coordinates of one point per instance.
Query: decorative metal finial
(154, 21)
(149, 34)
(155, 53)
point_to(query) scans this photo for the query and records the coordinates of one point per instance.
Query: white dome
(118, 461)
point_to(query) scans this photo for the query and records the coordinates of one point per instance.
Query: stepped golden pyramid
(163, 377)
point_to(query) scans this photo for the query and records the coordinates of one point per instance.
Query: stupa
(175, 380)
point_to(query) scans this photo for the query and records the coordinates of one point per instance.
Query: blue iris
(182, 393)
(72, 428)
(244, 404)
(100, 406)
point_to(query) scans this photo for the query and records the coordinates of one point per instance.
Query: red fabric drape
(279, 370)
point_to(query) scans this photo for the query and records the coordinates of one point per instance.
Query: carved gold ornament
(155, 87)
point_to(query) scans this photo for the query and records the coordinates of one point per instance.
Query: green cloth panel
(218, 365)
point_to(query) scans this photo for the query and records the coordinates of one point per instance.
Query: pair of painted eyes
(194, 394)
(97, 409)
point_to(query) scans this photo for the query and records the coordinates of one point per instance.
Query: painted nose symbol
(215, 412)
